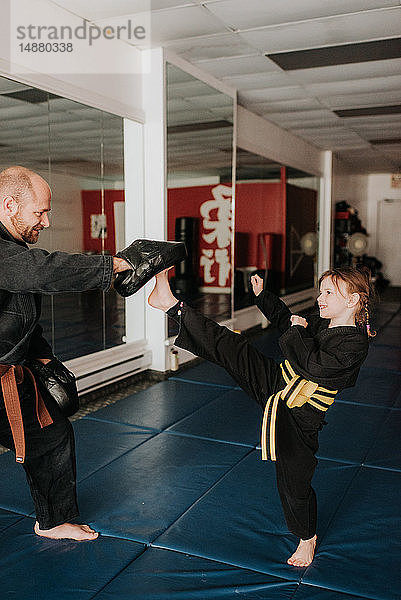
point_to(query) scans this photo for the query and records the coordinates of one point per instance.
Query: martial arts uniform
(48, 455)
(329, 358)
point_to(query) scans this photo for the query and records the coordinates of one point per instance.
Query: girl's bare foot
(161, 297)
(67, 531)
(304, 554)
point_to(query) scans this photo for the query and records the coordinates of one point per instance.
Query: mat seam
(203, 495)
(118, 574)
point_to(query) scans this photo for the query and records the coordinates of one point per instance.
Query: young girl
(323, 354)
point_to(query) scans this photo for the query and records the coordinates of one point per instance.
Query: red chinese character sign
(212, 205)
(216, 230)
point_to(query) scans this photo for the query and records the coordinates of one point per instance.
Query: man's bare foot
(161, 297)
(67, 531)
(304, 554)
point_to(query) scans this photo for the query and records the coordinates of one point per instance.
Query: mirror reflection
(199, 181)
(275, 227)
(79, 151)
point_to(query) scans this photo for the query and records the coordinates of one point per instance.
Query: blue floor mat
(188, 511)
(240, 522)
(360, 554)
(206, 372)
(309, 592)
(32, 567)
(114, 439)
(164, 575)
(378, 387)
(160, 405)
(143, 492)
(351, 429)
(234, 417)
(384, 357)
(389, 336)
(385, 451)
(15, 495)
(7, 519)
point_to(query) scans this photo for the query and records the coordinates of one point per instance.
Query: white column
(325, 215)
(134, 220)
(154, 102)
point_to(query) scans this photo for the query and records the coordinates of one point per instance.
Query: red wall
(260, 208)
(92, 205)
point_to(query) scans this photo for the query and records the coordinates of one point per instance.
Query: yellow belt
(297, 392)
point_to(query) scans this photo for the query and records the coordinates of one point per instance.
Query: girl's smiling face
(335, 302)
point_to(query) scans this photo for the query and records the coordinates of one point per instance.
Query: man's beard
(30, 235)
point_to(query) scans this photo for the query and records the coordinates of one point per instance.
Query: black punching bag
(186, 279)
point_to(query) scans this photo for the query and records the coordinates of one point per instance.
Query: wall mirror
(276, 211)
(79, 151)
(199, 197)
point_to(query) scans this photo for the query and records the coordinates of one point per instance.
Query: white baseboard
(107, 366)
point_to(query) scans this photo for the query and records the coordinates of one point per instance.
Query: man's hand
(297, 320)
(257, 284)
(119, 265)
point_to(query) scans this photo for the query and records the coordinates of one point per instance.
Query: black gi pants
(296, 430)
(50, 459)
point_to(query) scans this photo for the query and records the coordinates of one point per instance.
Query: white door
(389, 239)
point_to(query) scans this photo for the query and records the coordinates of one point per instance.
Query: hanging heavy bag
(56, 383)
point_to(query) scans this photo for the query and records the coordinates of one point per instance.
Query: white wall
(365, 193)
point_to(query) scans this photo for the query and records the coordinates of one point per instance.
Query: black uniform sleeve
(25, 270)
(274, 309)
(38, 346)
(325, 356)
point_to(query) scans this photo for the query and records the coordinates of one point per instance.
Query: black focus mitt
(147, 258)
(56, 383)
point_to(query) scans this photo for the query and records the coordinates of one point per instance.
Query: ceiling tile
(192, 89)
(310, 117)
(379, 68)
(258, 81)
(339, 101)
(253, 13)
(371, 25)
(209, 47)
(189, 116)
(175, 24)
(213, 101)
(273, 94)
(284, 106)
(357, 86)
(237, 65)
(7, 85)
(95, 9)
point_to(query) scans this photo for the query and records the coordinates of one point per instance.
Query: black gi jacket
(25, 274)
(330, 357)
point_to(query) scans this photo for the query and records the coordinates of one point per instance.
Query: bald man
(47, 448)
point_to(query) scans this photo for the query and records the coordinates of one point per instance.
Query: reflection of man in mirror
(36, 429)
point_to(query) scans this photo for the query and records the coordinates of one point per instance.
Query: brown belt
(11, 376)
